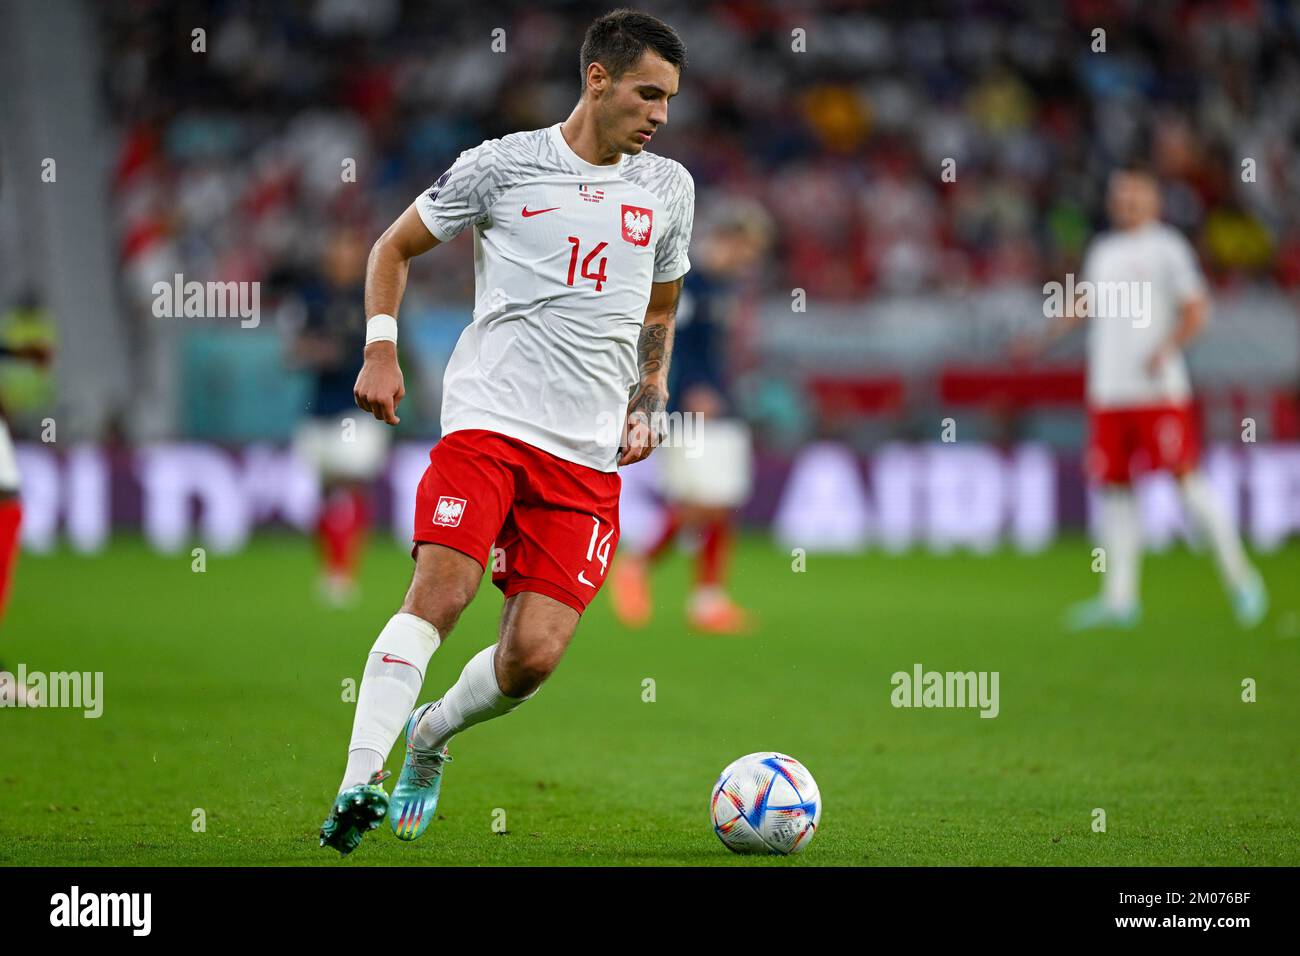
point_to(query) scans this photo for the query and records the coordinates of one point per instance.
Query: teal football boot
(415, 798)
(356, 811)
(1093, 614)
(1250, 602)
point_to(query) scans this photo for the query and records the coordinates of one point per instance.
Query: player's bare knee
(442, 587)
(440, 603)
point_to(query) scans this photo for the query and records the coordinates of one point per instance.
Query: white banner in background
(190, 493)
(941, 497)
(75, 489)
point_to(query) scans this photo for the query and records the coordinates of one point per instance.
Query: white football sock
(1121, 538)
(1212, 522)
(389, 687)
(474, 698)
(362, 764)
(705, 597)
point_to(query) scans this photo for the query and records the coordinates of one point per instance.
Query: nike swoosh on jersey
(582, 579)
(537, 212)
(397, 660)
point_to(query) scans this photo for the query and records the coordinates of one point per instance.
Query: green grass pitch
(223, 692)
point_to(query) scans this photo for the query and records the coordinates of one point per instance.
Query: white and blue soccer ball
(766, 803)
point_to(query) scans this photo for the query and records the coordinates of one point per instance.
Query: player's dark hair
(617, 40)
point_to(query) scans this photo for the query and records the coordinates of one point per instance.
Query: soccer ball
(765, 803)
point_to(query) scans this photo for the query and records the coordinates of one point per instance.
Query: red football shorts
(541, 523)
(1141, 438)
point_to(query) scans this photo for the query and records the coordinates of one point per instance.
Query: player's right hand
(379, 387)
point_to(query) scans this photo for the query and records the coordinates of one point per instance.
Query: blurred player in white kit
(704, 479)
(1140, 413)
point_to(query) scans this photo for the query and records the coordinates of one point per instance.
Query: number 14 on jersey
(599, 274)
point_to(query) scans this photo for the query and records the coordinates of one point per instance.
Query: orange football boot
(630, 581)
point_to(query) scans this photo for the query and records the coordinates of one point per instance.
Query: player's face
(1132, 199)
(637, 103)
(749, 249)
(345, 259)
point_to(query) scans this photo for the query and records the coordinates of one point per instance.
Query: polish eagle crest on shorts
(636, 224)
(449, 511)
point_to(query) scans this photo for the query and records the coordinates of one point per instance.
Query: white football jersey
(1140, 278)
(564, 256)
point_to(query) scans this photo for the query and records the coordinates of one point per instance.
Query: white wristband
(381, 328)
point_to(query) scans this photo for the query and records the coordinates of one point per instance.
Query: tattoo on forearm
(647, 400)
(655, 348)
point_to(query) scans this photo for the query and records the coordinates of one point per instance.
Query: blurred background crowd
(926, 171)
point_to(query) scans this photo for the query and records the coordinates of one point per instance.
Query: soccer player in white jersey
(580, 246)
(1145, 301)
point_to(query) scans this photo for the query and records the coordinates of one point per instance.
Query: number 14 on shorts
(598, 550)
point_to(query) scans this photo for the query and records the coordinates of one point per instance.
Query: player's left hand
(644, 416)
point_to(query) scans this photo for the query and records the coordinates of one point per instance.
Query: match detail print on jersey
(549, 357)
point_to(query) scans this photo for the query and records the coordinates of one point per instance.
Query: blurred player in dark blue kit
(706, 464)
(347, 449)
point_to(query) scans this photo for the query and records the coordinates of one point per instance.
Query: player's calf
(535, 633)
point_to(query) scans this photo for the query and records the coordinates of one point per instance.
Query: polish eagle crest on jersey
(636, 224)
